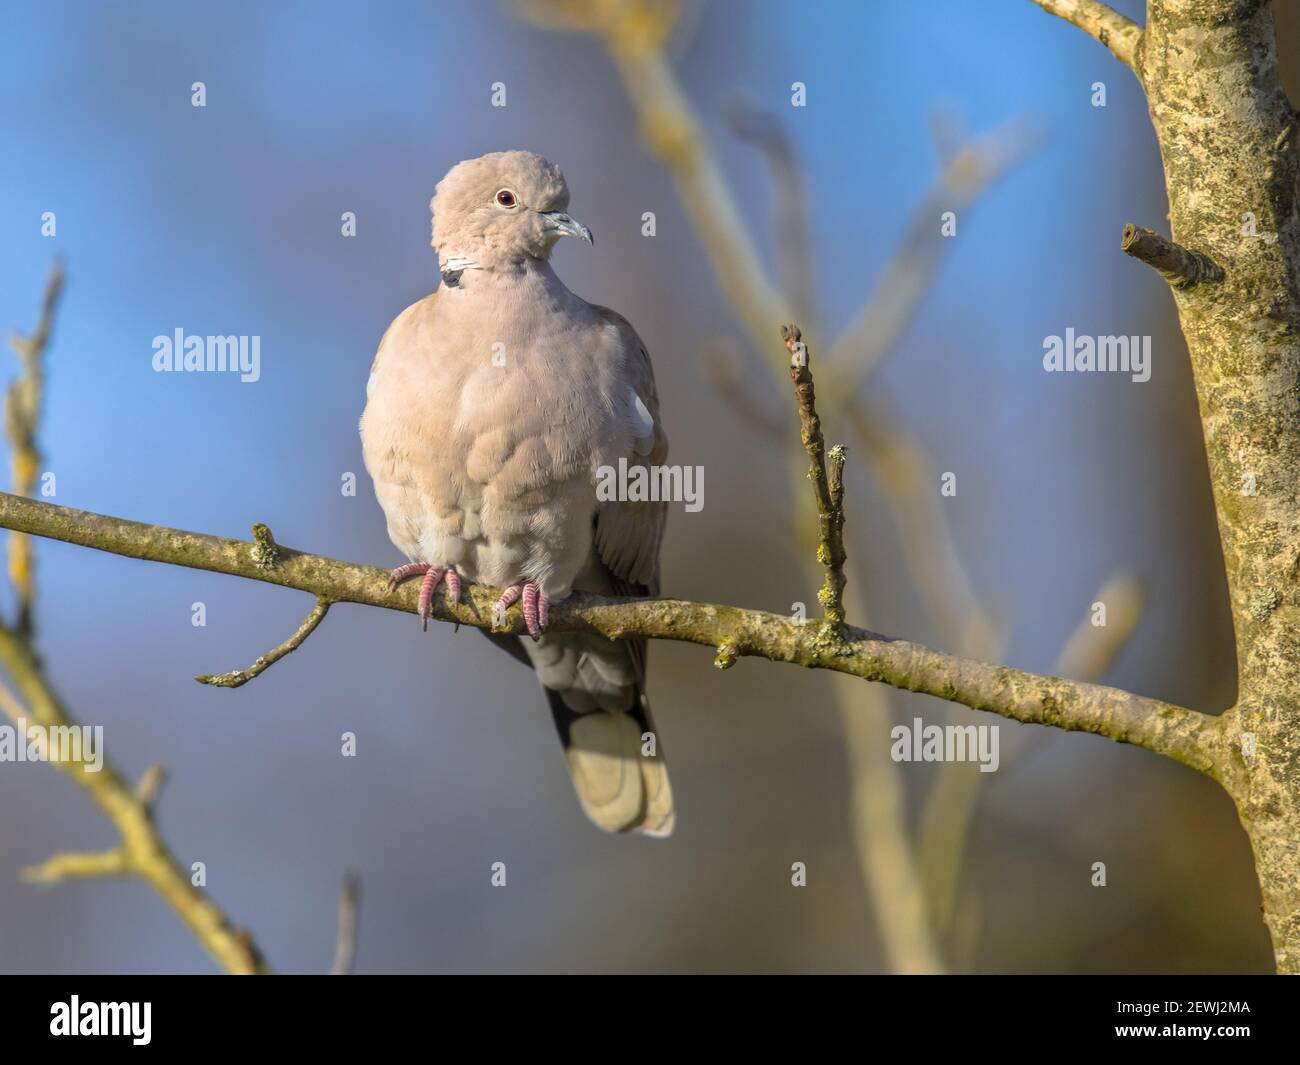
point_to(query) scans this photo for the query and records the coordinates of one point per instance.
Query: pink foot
(405, 573)
(536, 606)
(433, 576)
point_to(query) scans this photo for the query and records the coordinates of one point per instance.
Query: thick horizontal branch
(1185, 735)
(1118, 33)
(1179, 266)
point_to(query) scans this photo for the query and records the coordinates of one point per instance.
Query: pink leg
(536, 605)
(433, 576)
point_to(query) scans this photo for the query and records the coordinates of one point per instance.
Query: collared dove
(491, 405)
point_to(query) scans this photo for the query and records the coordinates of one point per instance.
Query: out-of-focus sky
(226, 220)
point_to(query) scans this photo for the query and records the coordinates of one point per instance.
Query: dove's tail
(595, 688)
(617, 770)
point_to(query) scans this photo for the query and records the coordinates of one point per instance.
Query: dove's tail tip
(660, 814)
(618, 774)
(653, 815)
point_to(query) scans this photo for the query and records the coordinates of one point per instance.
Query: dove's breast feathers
(490, 408)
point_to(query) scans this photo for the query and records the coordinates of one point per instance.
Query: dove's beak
(561, 225)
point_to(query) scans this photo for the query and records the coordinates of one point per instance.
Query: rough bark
(1228, 140)
(1173, 731)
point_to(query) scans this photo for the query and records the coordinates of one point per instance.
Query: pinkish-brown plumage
(491, 405)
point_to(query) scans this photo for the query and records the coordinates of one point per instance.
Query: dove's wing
(628, 535)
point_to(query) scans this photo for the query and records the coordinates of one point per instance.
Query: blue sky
(225, 220)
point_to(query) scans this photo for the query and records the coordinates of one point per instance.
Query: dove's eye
(506, 198)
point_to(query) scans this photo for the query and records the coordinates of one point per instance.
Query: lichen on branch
(1176, 732)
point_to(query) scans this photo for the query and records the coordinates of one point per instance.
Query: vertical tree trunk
(1228, 137)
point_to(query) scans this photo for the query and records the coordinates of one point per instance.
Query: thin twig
(1180, 267)
(827, 479)
(150, 784)
(345, 943)
(142, 851)
(72, 865)
(239, 677)
(1120, 34)
(23, 403)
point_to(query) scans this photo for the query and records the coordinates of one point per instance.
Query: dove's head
(502, 208)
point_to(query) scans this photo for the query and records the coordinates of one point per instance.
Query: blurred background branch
(635, 34)
(1063, 479)
(22, 420)
(141, 852)
(345, 944)
(949, 804)
(886, 858)
(1176, 732)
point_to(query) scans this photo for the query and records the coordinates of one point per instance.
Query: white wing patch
(643, 425)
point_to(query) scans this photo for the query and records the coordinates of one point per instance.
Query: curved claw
(427, 587)
(433, 576)
(536, 605)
